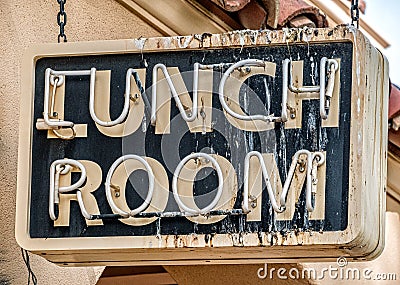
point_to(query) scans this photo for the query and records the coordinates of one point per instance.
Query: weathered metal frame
(366, 204)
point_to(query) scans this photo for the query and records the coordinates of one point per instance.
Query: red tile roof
(253, 14)
(231, 5)
(290, 9)
(394, 101)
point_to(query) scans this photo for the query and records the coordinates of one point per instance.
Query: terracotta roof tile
(231, 5)
(256, 14)
(290, 9)
(394, 114)
(394, 101)
(252, 16)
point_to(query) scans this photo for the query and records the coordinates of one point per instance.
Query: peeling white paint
(185, 43)
(253, 34)
(353, 31)
(268, 37)
(139, 43)
(313, 71)
(359, 138)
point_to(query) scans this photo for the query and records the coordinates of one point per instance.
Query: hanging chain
(355, 12)
(62, 20)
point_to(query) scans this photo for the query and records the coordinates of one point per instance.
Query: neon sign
(221, 148)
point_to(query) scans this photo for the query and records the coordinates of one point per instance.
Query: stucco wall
(23, 23)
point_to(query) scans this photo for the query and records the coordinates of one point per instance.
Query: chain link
(355, 12)
(62, 20)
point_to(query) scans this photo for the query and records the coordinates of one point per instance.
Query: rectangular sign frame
(361, 240)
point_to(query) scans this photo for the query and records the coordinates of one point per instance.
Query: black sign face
(260, 94)
(225, 148)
